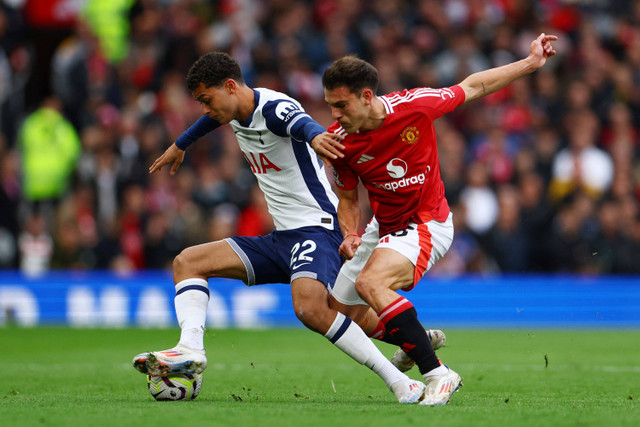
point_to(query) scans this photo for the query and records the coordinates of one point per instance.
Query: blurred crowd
(542, 176)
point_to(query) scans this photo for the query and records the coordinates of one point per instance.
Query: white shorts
(422, 244)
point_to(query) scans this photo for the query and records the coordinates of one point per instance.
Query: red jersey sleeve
(343, 176)
(432, 102)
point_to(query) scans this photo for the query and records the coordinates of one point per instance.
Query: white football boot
(178, 360)
(440, 387)
(408, 391)
(403, 362)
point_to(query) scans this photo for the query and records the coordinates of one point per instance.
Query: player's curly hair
(213, 69)
(351, 72)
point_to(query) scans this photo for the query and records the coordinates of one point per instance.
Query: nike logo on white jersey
(364, 158)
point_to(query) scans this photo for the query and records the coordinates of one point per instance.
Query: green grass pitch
(80, 377)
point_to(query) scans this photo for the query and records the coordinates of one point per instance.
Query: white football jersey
(289, 172)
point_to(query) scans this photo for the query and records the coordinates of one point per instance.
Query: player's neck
(376, 116)
(246, 104)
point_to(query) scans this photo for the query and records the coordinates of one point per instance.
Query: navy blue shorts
(283, 256)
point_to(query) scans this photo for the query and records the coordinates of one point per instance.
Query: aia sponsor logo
(260, 164)
(410, 135)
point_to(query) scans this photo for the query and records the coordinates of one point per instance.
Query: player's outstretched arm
(175, 153)
(485, 82)
(328, 145)
(349, 218)
(172, 155)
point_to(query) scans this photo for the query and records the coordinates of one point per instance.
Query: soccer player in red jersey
(390, 146)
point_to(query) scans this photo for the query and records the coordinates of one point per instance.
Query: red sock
(378, 332)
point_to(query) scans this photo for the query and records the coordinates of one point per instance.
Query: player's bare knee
(306, 318)
(358, 316)
(351, 311)
(313, 316)
(181, 263)
(178, 262)
(365, 288)
(305, 312)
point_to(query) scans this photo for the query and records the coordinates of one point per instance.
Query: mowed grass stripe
(60, 376)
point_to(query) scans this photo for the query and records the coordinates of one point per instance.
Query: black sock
(404, 329)
(390, 339)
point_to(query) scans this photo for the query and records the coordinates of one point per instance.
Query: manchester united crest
(410, 135)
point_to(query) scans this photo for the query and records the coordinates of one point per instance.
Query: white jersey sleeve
(288, 171)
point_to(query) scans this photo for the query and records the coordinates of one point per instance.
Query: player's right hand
(328, 145)
(172, 155)
(349, 246)
(541, 49)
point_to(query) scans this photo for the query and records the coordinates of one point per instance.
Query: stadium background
(543, 176)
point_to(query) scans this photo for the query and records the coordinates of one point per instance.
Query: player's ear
(231, 86)
(367, 95)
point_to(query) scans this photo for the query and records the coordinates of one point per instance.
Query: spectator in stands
(35, 245)
(570, 244)
(508, 241)
(67, 248)
(582, 166)
(254, 220)
(536, 216)
(614, 252)
(10, 193)
(124, 95)
(479, 200)
(49, 148)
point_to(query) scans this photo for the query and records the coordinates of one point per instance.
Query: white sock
(440, 370)
(348, 337)
(192, 299)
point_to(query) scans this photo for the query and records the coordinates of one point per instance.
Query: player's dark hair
(213, 69)
(351, 72)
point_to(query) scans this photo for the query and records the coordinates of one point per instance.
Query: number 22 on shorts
(302, 258)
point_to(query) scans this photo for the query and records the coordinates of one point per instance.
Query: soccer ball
(175, 387)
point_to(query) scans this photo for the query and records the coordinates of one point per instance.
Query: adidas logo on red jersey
(365, 158)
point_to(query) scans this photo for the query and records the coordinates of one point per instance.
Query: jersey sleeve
(200, 128)
(286, 118)
(436, 102)
(343, 176)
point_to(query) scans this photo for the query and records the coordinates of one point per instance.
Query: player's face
(349, 109)
(216, 102)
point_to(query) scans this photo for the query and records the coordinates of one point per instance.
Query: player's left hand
(541, 49)
(350, 245)
(172, 155)
(328, 145)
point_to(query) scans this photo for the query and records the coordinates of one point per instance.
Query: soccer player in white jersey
(273, 132)
(390, 146)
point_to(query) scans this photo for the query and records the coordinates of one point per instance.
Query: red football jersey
(398, 162)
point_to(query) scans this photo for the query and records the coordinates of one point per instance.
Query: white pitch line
(541, 367)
